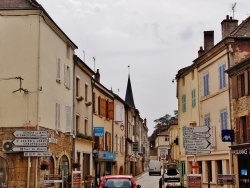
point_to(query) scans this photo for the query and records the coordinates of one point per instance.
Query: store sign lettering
(241, 152)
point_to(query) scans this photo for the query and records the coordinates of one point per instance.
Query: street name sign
(196, 144)
(197, 129)
(197, 152)
(37, 154)
(197, 135)
(30, 134)
(30, 142)
(29, 149)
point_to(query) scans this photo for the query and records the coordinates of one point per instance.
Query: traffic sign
(30, 134)
(197, 152)
(37, 154)
(30, 142)
(197, 135)
(29, 149)
(197, 129)
(196, 144)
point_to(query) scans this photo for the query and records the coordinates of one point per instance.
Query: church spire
(129, 99)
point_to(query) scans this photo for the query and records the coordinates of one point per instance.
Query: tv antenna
(233, 8)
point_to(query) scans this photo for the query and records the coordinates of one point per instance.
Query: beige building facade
(37, 92)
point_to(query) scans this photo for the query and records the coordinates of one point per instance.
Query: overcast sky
(155, 38)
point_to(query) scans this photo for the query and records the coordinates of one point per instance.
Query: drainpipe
(230, 116)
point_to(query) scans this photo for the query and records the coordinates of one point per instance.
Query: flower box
(44, 165)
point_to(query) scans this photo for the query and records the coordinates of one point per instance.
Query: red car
(118, 181)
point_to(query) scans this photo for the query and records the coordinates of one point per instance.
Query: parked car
(120, 181)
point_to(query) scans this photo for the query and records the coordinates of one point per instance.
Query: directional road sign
(197, 152)
(30, 142)
(30, 134)
(196, 144)
(197, 135)
(29, 149)
(37, 154)
(197, 129)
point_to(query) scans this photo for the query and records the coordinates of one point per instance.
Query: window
(222, 74)
(223, 116)
(57, 118)
(193, 98)
(67, 76)
(240, 85)
(207, 120)
(86, 126)
(206, 84)
(86, 92)
(183, 103)
(68, 118)
(209, 171)
(166, 138)
(85, 165)
(58, 70)
(77, 87)
(219, 167)
(242, 130)
(77, 124)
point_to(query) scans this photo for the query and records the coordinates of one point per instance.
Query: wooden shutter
(103, 107)
(111, 110)
(237, 130)
(99, 105)
(248, 127)
(246, 83)
(234, 87)
(94, 108)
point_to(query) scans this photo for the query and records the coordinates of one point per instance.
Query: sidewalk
(141, 175)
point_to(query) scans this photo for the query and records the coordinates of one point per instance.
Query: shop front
(104, 164)
(243, 171)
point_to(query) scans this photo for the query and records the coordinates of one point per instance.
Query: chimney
(227, 26)
(97, 75)
(201, 51)
(208, 40)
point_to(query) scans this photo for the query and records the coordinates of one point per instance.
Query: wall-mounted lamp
(122, 127)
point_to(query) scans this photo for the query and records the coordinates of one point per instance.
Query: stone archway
(3, 172)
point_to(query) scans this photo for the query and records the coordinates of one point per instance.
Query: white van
(154, 167)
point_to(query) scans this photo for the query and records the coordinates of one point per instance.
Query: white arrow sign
(198, 129)
(37, 154)
(30, 134)
(197, 135)
(197, 152)
(30, 142)
(29, 149)
(196, 144)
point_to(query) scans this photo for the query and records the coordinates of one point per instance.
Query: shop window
(3, 172)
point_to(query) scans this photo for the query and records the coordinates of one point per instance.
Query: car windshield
(172, 172)
(121, 183)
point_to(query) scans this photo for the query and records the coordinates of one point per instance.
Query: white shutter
(57, 116)
(118, 115)
(68, 118)
(118, 144)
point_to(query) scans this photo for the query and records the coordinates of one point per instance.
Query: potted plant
(76, 165)
(44, 165)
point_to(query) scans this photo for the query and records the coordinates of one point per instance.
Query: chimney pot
(97, 75)
(227, 26)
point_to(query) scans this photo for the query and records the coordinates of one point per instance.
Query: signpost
(196, 144)
(30, 134)
(197, 152)
(29, 149)
(196, 140)
(30, 142)
(37, 154)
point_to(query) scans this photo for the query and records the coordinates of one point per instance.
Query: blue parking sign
(99, 131)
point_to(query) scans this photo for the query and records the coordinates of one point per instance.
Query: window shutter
(111, 110)
(68, 118)
(246, 83)
(103, 107)
(94, 108)
(234, 87)
(99, 105)
(118, 144)
(118, 112)
(248, 127)
(58, 76)
(237, 131)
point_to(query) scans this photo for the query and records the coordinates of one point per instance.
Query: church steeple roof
(129, 99)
